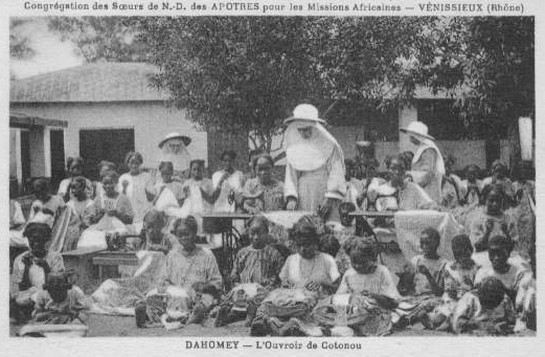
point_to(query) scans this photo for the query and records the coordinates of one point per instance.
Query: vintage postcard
(266, 176)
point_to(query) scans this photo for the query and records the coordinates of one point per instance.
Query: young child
(152, 237)
(459, 278)
(110, 212)
(499, 177)
(366, 276)
(258, 263)
(427, 275)
(60, 302)
(255, 266)
(486, 311)
(517, 279)
(472, 186)
(354, 187)
(30, 269)
(45, 201)
(492, 220)
(74, 167)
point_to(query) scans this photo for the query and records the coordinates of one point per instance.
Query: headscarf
(312, 153)
(175, 151)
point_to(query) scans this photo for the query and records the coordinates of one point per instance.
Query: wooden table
(113, 258)
(79, 263)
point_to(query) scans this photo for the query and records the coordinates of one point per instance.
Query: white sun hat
(175, 135)
(417, 128)
(305, 112)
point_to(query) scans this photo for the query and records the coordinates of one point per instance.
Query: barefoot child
(60, 302)
(486, 311)
(427, 276)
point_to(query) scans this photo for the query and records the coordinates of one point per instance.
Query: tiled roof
(98, 82)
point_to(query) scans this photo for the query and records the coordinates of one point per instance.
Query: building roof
(21, 120)
(97, 82)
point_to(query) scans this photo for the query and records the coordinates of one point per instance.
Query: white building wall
(151, 121)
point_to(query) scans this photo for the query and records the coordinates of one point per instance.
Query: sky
(51, 54)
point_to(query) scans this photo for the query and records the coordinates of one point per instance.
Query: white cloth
(308, 154)
(233, 183)
(421, 170)
(136, 192)
(410, 224)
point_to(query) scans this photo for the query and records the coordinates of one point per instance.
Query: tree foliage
(250, 72)
(19, 44)
(101, 39)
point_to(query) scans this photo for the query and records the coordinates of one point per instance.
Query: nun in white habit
(315, 165)
(428, 166)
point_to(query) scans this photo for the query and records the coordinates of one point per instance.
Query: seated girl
(263, 193)
(102, 167)
(309, 268)
(307, 276)
(109, 213)
(488, 311)
(491, 220)
(427, 275)
(45, 201)
(192, 268)
(459, 278)
(452, 190)
(398, 193)
(75, 169)
(498, 172)
(30, 269)
(59, 302)
(153, 237)
(366, 296)
(366, 277)
(256, 266)
(517, 279)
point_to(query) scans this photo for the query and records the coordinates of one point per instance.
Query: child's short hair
(41, 230)
(502, 241)
(134, 154)
(166, 165)
(190, 222)
(261, 220)
(111, 174)
(108, 164)
(304, 233)
(41, 184)
(73, 161)
(364, 246)
(432, 233)
(329, 244)
(267, 157)
(491, 292)
(155, 217)
(492, 188)
(78, 180)
(196, 162)
(462, 241)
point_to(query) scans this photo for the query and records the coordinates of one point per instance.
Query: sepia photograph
(216, 177)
